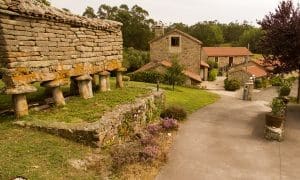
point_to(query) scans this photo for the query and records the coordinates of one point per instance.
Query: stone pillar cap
(122, 69)
(104, 73)
(84, 77)
(23, 89)
(55, 83)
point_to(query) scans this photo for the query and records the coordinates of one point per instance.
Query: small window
(175, 41)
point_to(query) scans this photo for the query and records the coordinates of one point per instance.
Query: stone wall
(121, 123)
(224, 61)
(188, 53)
(48, 45)
(41, 49)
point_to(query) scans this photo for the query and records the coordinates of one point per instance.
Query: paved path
(225, 141)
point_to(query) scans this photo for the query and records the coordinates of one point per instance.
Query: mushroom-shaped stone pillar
(57, 93)
(19, 98)
(107, 81)
(85, 86)
(119, 78)
(103, 81)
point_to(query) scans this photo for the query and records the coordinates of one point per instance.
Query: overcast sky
(186, 11)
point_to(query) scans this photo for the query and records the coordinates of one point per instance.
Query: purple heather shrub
(169, 124)
(149, 153)
(148, 140)
(154, 129)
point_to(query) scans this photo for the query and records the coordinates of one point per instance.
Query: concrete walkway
(225, 141)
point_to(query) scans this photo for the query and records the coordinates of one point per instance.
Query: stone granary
(48, 45)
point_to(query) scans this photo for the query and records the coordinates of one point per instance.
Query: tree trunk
(298, 96)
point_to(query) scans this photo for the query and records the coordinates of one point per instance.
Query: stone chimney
(158, 30)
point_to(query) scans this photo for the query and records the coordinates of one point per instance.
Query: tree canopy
(89, 12)
(281, 38)
(46, 2)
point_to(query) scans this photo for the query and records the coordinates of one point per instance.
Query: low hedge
(232, 84)
(212, 76)
(146, 76)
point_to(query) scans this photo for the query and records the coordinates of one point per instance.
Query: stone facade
(224, 61)
(187, 50)
(48, 45)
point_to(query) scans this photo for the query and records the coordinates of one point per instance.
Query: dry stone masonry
(48, 45)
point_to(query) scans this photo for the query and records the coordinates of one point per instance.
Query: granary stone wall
(45, 44)
(188, 52)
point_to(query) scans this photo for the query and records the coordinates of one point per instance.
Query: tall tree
(207, 32)
(46, 2)
(136, 24)
(252, 37)
(89, 12)
(280, 42)
(174, 73)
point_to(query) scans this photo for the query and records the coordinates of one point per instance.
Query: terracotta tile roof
(256, 71)
(33, 9)
(166, 63)
(203, 63)
(226, 51)
(179, 32)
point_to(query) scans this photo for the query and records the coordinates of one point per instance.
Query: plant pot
(274, 121)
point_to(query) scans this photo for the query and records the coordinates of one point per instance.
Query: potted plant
(277, 115)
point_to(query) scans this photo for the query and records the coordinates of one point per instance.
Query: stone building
(243, 72)
(177, 44)
(226, 57)
(48, 45)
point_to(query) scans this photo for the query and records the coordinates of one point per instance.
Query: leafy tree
(89, 12)
(252, 37)
(174, 73)
(46, 2)
(207, 32)
(281, 39)
(180, 26)
(136, 24)
(233, 31)
(134, 59)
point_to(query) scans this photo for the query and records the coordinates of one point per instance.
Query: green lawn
(37, 155)
(190, 99)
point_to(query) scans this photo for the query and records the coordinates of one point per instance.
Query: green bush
(212, 64)
(146, 76)
(276, 81)
(134, 59)
(212, 76)
(265, 82)
(174, 112)
(278, 107)
(258, 84)
(284, 91)
(232, 85)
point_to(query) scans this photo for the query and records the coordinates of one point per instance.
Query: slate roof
(179, 32)
(226, 51)
(33, 9)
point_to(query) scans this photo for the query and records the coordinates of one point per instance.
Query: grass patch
(80, 110)
(37, 155)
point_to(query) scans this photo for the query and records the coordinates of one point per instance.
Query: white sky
(186, 11)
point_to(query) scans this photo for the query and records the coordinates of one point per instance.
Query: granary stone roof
(33, 9)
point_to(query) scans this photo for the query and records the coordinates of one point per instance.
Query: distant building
(243, 72)
(226, 57)
(177, 44)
